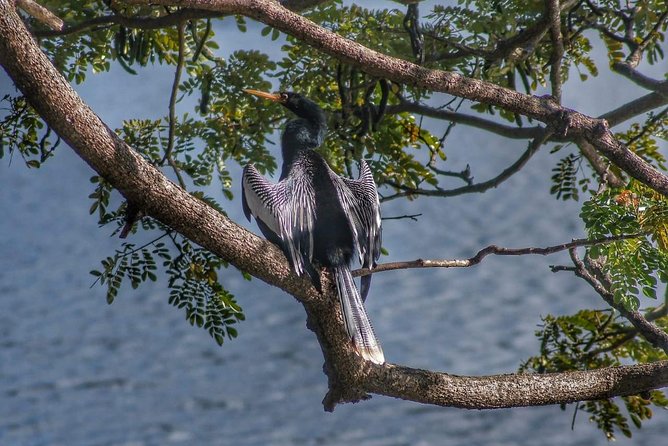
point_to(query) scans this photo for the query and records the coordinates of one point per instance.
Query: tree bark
(350, 377)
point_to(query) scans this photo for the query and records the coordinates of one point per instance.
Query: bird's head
(296, 103)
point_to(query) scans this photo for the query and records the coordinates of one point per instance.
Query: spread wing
(360, 198)
(286, 209)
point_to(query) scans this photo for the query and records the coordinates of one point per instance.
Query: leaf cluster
(192, 274)
(634, 265)
(624, 26)
(22, 130)
(566, 184)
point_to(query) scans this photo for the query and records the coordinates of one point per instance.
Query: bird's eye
(284, 96)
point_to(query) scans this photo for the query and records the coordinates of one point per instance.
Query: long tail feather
(357, 322)
(364, 286)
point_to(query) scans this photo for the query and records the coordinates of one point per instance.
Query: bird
(318, 218)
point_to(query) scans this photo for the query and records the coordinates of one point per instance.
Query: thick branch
(493, 392)
(171, 19)
(350, 377)
(140, 182)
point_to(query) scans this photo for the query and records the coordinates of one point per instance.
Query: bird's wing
(286, 209)
(360, 199)
(365, 207)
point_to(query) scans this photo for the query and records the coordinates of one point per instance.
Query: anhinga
(318, 217)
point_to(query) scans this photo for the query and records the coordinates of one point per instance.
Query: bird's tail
(354, 315)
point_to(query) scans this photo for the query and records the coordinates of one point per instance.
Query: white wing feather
(286, 209)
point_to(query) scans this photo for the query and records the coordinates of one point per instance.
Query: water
(75, 371)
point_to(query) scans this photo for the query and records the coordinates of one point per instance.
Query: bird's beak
(274, 97)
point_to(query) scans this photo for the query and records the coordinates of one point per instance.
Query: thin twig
(132, 251)
(202, 42)
(401, 217)
(554, 19)
(519, 46)
(627, 332)
(479, 187)
(464, 175)
(558, 268)
(648, 126)
(494, 250)
(172, 107)
(629, 335)
(634, 58)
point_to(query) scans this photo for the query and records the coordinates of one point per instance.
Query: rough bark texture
(350, 378)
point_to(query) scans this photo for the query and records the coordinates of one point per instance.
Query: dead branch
(491, 250)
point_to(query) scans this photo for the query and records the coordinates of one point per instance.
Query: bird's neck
(300, 135)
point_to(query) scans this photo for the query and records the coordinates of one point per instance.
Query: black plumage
(317, 217)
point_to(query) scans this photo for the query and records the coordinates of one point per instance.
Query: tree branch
(634, 58)
(41, 14)
(629, 332)
(599, 164)
(494, 392)
(478, 187)
(614, 117)
(626, 70)
(350, 376)
(491, 250)
(593, 274)
(172, 106)
(554, 20)
(506, 131)
(517, 47)
(167, 20)
(634, 108)
(163, 21)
